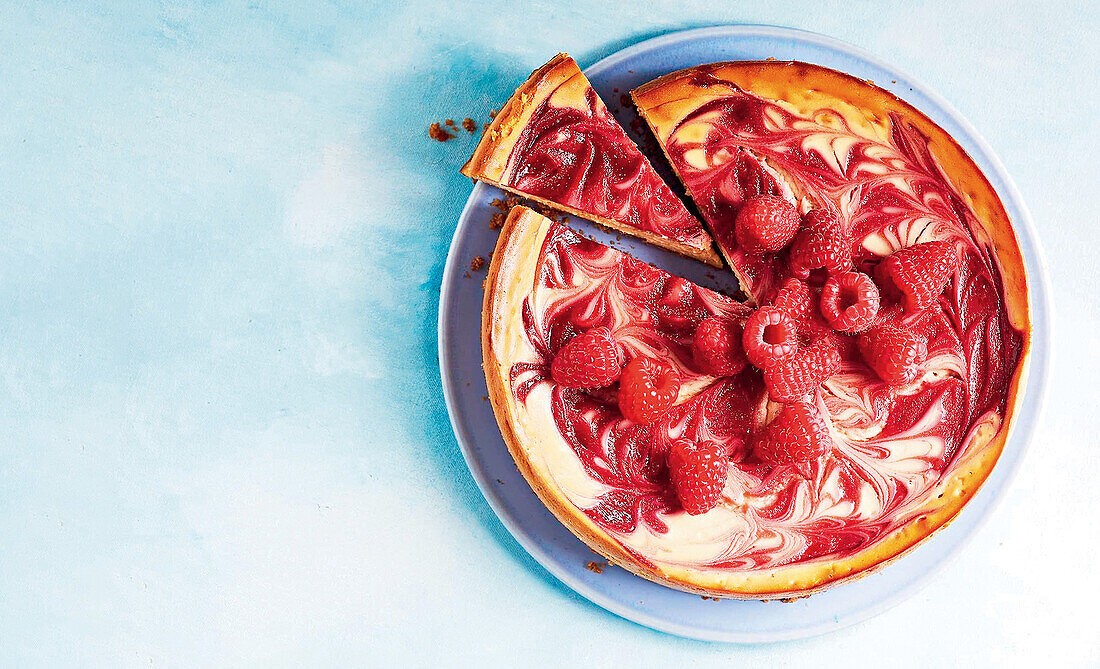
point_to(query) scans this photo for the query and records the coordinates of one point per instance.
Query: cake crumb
(450, 122)
(500, 482)
(594, 566)
(503, 205)
(493, 113)
(469, 125)
(438, 133)
(711, 599)
(477, 263)
(484, 398)
(624, 101)
(606, 228)
(496, 221)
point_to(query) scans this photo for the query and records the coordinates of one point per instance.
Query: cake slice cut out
(556, 143)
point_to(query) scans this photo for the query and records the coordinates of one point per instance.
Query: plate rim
(1032, 403)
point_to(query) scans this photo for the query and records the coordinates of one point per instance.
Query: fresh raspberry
(589, 360)
(717, 347)
(797, 375)
(765, 224)
(801, 302)
(918, 273)
(647, 389)
(698, 471)
(798, 433)
(770, 335)
(821, 244)
(797, 299)
(888, 311)
(820, 332)
(849, 301)
(895, 354)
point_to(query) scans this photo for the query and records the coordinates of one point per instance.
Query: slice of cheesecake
(555, 142)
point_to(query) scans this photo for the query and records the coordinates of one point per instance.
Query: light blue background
(223, 438)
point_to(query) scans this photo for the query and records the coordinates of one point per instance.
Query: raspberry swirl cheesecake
(776, 449)
(555, 142)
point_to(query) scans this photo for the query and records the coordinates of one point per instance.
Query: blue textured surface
(224, 441)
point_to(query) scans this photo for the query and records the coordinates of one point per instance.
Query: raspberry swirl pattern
(889, 448)
(889, 192)
(579, 156)
(902, 460)
(581, 285)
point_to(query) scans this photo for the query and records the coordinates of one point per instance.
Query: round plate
(547, 540)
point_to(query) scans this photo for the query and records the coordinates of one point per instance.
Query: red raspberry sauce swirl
(583, 159)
